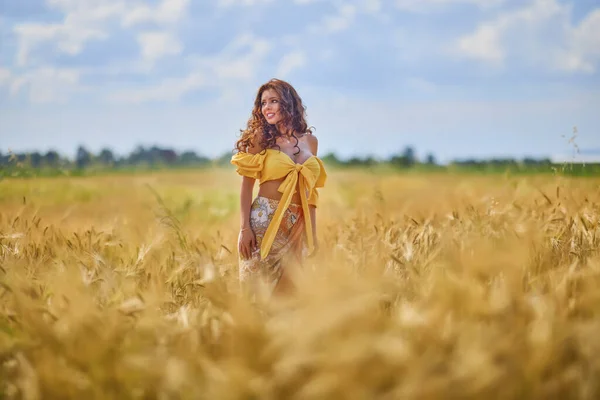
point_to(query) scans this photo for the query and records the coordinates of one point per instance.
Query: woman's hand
(246, 242)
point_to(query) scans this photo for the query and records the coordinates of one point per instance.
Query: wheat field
(426, 286)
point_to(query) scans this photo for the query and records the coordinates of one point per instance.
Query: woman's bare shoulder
(312, 142)
(309, 137)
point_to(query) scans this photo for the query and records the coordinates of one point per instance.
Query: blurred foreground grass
(427, 286)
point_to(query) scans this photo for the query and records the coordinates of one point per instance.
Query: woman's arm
(246, 201)
(247, 187)
(247, 238)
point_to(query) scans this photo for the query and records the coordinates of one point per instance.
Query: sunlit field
(426, 286)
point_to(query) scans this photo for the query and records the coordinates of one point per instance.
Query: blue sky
(459, 78)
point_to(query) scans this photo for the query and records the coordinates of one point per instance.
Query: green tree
(83, 158)
(430, 159)
(106, 157)
(51, 159)
(35, 159)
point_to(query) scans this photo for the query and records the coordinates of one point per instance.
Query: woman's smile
(270, 106)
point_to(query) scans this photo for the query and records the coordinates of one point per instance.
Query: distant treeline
(144, 158)
(140, 157)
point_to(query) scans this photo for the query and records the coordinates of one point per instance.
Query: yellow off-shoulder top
(272, 164)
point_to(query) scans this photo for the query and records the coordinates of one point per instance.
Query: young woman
(278, 227)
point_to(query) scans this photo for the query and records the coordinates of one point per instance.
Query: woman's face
(269, 105)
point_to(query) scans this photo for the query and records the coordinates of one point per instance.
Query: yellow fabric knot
(305, 179)
(273, 164)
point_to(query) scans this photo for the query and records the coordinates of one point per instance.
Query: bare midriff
(269, 190)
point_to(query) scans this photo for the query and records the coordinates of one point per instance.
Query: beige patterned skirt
(288, 249)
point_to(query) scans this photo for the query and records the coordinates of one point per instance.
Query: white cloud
(587, 34)
(166, 12)
(289, 62)
(372, 6)
(86, 20)
(236, 64)
(421, 85)
(302, 2)
(484, 45)
(171, 89)
(70, 37)
(539, 34)
(229, 3)
(341, 21)
(583, 51)
(326, 54)
(5, 76)
(421, 6)
(335, 23)
(240, 59)
(155, 45)
(83, 21)
(47, 84)
(129, 12)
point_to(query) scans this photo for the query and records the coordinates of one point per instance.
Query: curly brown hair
(293, 118)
